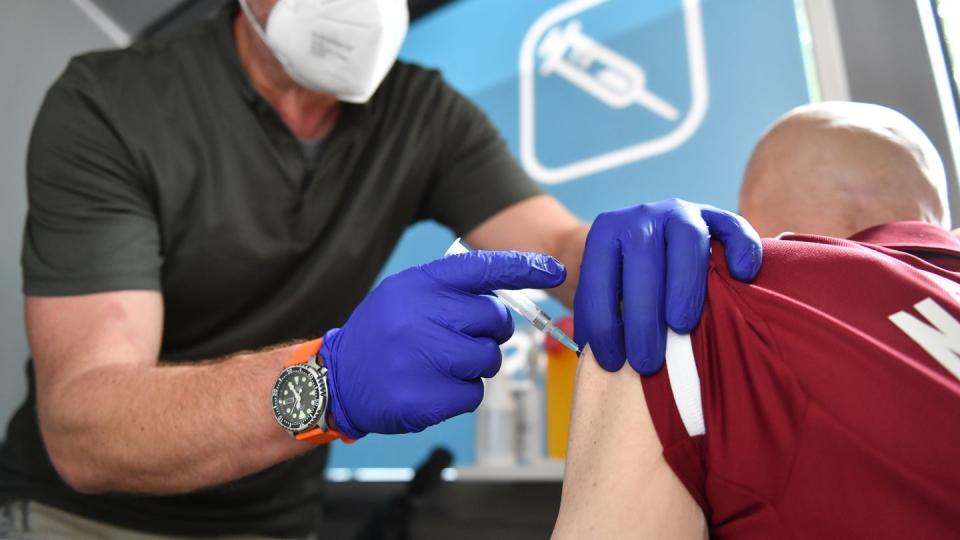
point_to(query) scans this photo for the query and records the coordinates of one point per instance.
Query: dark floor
(462, 510)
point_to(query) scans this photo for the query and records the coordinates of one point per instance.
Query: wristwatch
(301, 399)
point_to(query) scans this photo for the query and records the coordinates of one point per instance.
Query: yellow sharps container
(561, 368)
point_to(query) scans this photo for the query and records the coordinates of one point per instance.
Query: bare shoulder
(617, 483)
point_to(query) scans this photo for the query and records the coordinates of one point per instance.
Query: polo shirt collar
(910, 236)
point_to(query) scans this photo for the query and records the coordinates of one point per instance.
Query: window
(948, 12)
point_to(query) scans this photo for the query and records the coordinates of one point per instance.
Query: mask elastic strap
(253, 21)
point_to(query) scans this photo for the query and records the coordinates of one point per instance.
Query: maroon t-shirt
(823, 399)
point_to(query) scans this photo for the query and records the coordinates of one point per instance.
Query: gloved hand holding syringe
(519, 302)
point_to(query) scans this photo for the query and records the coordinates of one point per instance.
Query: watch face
(298, 397)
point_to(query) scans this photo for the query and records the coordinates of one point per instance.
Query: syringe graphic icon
(617, 81)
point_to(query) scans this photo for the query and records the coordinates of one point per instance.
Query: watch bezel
(314, 419)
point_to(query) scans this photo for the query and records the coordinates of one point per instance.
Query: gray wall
(37, 37)
(133, 16)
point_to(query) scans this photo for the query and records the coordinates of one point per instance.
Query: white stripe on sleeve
(685, 382)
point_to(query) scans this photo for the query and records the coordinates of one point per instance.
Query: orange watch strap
(318, 436)
(302, 355)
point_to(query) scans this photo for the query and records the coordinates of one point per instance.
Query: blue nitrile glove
(412, 353)
(654, 258)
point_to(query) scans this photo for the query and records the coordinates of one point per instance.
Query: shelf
(547, 471)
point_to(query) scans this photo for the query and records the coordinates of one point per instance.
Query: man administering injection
(207, 215)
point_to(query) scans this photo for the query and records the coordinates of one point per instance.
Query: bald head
(836, 168)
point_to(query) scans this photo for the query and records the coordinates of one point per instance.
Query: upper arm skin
(539, 224)
(617, 483)
(70, 335)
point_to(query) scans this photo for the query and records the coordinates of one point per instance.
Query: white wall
(37, 37)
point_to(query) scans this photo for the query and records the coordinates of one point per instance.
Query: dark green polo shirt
(158, 167)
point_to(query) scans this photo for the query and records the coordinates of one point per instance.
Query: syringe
(524, 306)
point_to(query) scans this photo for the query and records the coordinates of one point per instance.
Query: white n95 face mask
(339, 47)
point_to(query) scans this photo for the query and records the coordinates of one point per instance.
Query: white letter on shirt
(941, 341)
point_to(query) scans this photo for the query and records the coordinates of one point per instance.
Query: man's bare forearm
(166, 428)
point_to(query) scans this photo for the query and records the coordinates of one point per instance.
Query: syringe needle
(564, 339)
(661, 108)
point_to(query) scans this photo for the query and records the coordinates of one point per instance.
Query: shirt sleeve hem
(487, 209)
(90, 284)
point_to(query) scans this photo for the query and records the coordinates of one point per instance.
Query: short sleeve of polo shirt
(90, 225)
(476, 176)
(728, 413)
